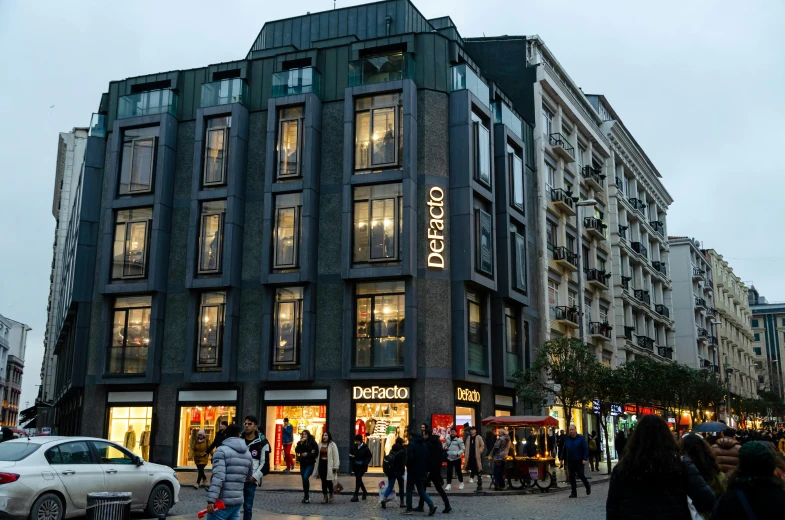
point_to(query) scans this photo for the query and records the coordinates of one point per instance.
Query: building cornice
(622, 144)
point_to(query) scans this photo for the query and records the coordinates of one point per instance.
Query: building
(14, 336)
(68, 171)
(768, 340)
(337, 229)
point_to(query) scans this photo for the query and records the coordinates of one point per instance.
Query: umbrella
(712, 426)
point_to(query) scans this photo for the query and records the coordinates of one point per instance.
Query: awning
(520, 421)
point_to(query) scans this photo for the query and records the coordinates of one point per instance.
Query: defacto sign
(380, 392)
(436, 228)
(472, 396)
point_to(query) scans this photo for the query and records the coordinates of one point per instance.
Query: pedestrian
(466, 432)
(455, 447)
(576, 452)
(560, 447)
(699, 452)
(499, 456)
(781, 443)
(417, 472)
(435, 453)
(327, 468)
(595, 451)
(360, 457)
(652, 481)
(472, 463)
(551, 442)
(394, 467)
(287, 438)
(619, 443)
(259, 448)
(754, 488)
(200, 457)
(220, 435)
(727, 451)
(232, 467)
(307, 452)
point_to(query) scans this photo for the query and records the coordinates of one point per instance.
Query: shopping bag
(338, 487)
(382, 489)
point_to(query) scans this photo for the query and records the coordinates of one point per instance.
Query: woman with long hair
(652, 481)
(699, 452)
(327, 468)
(307, 451)
(754, 488)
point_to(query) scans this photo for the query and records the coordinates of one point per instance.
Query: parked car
(48, 478)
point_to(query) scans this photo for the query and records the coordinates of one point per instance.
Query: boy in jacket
(259, 449)
(232, 467)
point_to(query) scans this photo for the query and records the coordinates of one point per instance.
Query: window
(550, 235)
(378, 131)
(211, 236)
(130, 335)
(137, 166)
(572, 298)
(512, 351)
(601, 264)
(547, 122)
(516, 178)
(378, 222)
(484, 241)
(755, 323)
(758, 351)
(212, 311)
(570, 244)
(581, 157)
(587, 305)
(381, 309)
(518, 236)
(550, 178)
(216, 151)
(290, 141)
(481, 145)
(288, 327)
(585, 254)
(287, 230)
(478, 333)
(131, 237)
(757, 336)
(111, 454)
(70, 453)
(783, 322)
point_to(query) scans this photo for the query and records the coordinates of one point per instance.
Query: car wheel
(48, 507)
(160, 501)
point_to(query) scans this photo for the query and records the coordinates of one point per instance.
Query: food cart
(522, 471)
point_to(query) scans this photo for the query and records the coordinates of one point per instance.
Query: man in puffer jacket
(727, 451)
(455, 448)
(232, 467)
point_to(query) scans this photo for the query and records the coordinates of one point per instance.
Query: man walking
(287, 438)
(435, 449)
(455, 448)
(576, 452)
(232, 467)
(417, 472)
(220, 435)
(259, 449)
(473, 460)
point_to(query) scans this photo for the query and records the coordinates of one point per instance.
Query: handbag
(337, 488)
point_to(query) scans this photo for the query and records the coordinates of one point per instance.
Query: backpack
(592, 444)
(266, 467)
(387, 463)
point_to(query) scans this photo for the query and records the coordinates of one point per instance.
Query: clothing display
(380, 424)
(305, 417)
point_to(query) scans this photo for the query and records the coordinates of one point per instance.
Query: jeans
(575, 467)
(249, 491)
(438, 485)
(391, 479)
(305, 473)
(230, 513)
(287, 455)
(456, 465)
(498, 473)
(420, 484)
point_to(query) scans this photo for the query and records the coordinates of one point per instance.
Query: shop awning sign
(380, 392)
(616, 409)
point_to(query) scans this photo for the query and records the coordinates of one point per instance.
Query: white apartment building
(14, 337)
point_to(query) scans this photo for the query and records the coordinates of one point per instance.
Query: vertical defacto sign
(436, 235)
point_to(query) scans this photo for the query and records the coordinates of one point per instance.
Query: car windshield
(15, 451)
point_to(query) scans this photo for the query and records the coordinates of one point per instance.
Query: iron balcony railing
(711, 311)
(662, 310)
(640, 249)
(562, 253)
(380, 69)
(659, 266)
(623, 231)
(594, 224)
(658, 226)
(643, 296)
(697, 272)
(595, 174)
(705, 363)
(628, 332)
(558, 139)
(703, 333)
(645, 342)
(637, 203)
(598, 275)
(700, 302)
(597, 328)
(625, 282)
(666, 352)
(559, 195)
(566, 314)
(306, 80)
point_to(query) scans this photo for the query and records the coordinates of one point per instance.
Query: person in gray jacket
(455, 448)
(232, 467)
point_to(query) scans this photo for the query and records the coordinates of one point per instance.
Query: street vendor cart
(522, 471)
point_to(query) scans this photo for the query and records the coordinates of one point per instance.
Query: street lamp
(579, 224)
(728, 371)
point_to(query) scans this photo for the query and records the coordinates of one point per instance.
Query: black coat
(658, 496)
(766, 501)
(399, 459)
(362, 457)
(435, 449)
(417, 458)
(307, 452)
(219, 438)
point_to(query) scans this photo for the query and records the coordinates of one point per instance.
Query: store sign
(616, 409)
(380, 392)
(644, 410)
(436, 227)
(472, 396)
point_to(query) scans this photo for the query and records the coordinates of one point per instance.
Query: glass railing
(503, 114)
(464, 78)
(478, 359)
(224, 92)
(147, 103)
(378, 69)
(306, 80)
(98, 125)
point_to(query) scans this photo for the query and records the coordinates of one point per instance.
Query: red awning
(520, 420)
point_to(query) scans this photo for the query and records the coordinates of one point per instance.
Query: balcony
(504, 115)
(711, 311)
(713, 341)
(598, 278)
(658, 226)
(666, 352)
(147, 103)
(703, 334)
(707, 285)
(697, 273)
(705, 364)
(645, 342)
(700, 303)
(662, 310)
(464, 78)
(637, 204)
(659, 267)
(562, 147)
(595, 227)
(97, 129)
(593, 177)
(292, 82)
(643, 296)
(600, 330)
(565, 258)
(625, 282)
(380, 69)
(567, 316)
(628, 332)
(224, 92)
(640, 249)
(619, 184)
(562, 200)
(623, 232)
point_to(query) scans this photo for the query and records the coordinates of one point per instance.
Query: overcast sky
(699, 84)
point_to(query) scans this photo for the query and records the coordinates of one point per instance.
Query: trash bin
(109, 506)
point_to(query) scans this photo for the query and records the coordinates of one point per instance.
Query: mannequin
(130, 438)
(144, 442)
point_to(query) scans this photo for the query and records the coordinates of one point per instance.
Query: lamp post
(579, 225)
(728, 370)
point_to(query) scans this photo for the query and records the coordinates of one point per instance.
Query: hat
(201, 432)
(756, 460)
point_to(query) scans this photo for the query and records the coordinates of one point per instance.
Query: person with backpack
(360, 456)
(259, 449)
(394, 466)
(595, 451)
(232, 468)
(455, 448)
(327, 468)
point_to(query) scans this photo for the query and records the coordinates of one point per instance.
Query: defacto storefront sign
(400, 393)
(472, 396)
(436, 236)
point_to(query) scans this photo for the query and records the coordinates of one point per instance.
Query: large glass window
(518, 238)
(550, 178)
(378, 222)
(378, 131)
(287, 231)
(478, 334)
(130, 335)
(211, 236)
(202, 416)
(131, 238)
(216, 151)
(511, 344)
(381, 309)
(484, 241)
(516, 178)
(129, 426)
(481, 145)
(137, 166)
(288, 327)
(290, 141)
(547, 122)
(553, 297)
(550, 235)
(212, 311)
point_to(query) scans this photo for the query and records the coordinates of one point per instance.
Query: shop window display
(464, 414)
(195, 418)
(129, 426)
(312, 418)
(380, 424)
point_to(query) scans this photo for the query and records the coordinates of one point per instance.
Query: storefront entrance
(306, 409)
(202, 410)
(467, 407)
(130, 421)
(381, 414)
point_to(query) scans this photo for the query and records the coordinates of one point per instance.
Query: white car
(48, 478)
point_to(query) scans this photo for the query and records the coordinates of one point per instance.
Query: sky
(700, 84)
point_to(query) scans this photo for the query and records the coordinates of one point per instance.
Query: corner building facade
(336, 230)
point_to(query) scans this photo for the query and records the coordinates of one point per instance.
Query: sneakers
(287, 470)
(432, 510)
(471, 481)
(460, 486)
(448, 487)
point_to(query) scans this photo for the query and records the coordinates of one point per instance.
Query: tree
(609, 389)
(638, 376)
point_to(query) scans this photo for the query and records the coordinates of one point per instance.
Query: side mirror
(138, 461)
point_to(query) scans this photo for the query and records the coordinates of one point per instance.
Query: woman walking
(653, 481)
(394, 467)
(199, 448)
(327, 468)
(360, 456)
(699, 452)
(307, 452)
